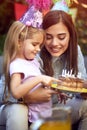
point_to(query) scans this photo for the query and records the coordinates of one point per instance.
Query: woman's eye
(48, 37)
(61, 37)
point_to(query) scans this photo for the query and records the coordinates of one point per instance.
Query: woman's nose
(54, 42)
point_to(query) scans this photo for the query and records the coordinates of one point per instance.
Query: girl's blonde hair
(17, 32)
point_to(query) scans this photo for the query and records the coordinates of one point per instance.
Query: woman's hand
(85, 84)
(63, 97)
(39, 95)
(84, 95)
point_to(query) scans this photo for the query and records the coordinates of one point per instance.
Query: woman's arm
(39, 95)
(82, 70)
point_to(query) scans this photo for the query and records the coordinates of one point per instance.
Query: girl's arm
(20, 89)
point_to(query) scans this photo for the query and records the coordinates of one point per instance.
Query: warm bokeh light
(83, 3)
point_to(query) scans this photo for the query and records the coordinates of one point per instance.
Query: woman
(61, 51)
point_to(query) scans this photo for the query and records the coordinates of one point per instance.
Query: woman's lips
(55, 50)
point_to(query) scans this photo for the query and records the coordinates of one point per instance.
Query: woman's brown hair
(52, 18)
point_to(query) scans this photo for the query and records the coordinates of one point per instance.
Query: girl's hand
(47, 80)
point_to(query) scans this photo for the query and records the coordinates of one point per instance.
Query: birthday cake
(70, 83)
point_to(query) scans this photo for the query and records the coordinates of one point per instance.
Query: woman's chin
(55, 54)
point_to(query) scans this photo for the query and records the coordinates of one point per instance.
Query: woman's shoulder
(81, 64)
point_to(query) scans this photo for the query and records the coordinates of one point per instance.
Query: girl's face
(57, 39)
(30, 47)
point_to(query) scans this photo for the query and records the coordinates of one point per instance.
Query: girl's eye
(34, 44)
(37, 44)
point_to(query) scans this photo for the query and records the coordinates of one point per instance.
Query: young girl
(22, 74)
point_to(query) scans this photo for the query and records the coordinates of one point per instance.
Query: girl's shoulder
(17, 61)
(17, 65)
(21, 62)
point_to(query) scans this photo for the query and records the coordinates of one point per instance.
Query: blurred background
(11, 10)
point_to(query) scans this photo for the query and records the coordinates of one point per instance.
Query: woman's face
(57, 39)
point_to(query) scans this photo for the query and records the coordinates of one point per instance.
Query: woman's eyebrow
(48, 34)
(61, 33)
(57, 34)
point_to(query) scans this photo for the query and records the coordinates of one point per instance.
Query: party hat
(61, 5)
(34, 15)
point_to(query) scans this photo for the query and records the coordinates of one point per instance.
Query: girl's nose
(38, 48)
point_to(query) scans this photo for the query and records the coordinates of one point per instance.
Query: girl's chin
(32, 58)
